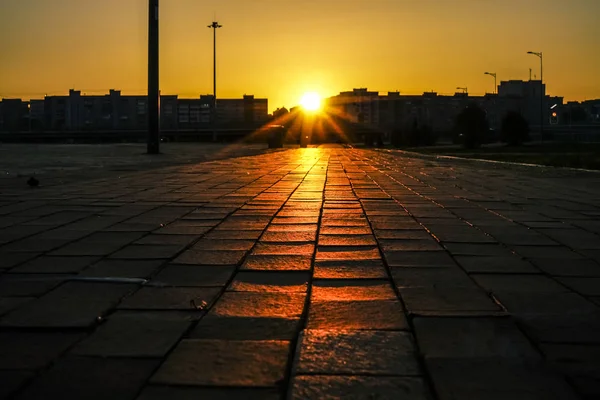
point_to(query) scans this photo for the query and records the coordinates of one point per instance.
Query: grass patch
(572, 155)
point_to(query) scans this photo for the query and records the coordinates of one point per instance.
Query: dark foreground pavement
(305, 274)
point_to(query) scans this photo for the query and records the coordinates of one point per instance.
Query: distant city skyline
(283, 50)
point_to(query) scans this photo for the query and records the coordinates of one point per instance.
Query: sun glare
(311, 101)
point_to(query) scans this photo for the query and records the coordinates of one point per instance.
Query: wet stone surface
(326, 272)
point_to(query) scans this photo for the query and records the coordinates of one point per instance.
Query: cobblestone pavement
(304, 274)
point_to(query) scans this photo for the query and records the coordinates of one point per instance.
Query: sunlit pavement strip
(304, 274)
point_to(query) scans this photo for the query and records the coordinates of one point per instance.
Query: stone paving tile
(388, 245)
(431, 277)
(346, 240)
(225, 363)
(222, 244)
(8, 304)
(460, 378)
(345, 230)
(31, 351)
(285, 249)
(288, 237)
(316, 387)
(71, 305)
(292, 228)
(350, 269)
(196, 275)
(357, 315)
(346, 290)
(186, 229)
(402, 234)
(28, 285)
(567, 267)
(122, 268)
(91, 378)
(10, 260)
(159, 239)
(477, 249)
(147, 252)
(196, 257)
(11, 381)
(447, 300)
(508, 283)
(356, 353)
(55, 265)
(135, 334)
(493, 264)
(530, 252)
(342, 253)
(246, 328)
(277, 263)
(240, 235)
(171, 298)
(584, 286)
(270, 282)
(418, 259)
(469, 338)
(259, 304)
(573, 238)
(194, 393)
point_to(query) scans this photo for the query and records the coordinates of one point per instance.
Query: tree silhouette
(280, 112)
(515, 129)
(471, 126)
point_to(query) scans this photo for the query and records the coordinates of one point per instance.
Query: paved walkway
(304, 274)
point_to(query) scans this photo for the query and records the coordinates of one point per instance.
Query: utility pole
(214, 26)
(492, 74)
(153, 83)
(541, 56)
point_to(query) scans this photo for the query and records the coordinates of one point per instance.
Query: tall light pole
(153, 84)
(214, 26)
(540, 55)
(494, 75)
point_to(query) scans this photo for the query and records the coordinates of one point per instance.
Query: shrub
(515, 129)
(471, 126)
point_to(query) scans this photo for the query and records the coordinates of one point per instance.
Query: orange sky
(282, 48)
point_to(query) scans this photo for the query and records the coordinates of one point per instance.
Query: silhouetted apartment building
(396, 111)
(247, 110)
(359, 106)
(14, 115)
(533, 100)
(114, 111)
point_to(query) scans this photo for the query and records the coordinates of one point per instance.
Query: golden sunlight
(311, 101)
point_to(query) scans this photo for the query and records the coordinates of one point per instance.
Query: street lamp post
(214, 26)
(153, 83)
(494, 75)
(540, 55)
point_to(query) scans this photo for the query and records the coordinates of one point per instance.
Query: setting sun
(311, 101)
